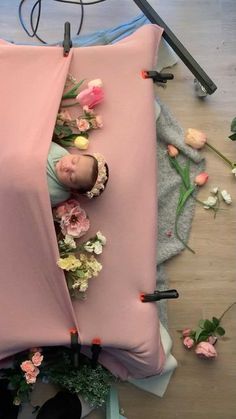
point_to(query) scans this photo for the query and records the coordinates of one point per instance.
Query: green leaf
(233, 125)
(233, 137)
(201, 323)
(72, 92)
(203, 337)
(184, 199)
(215, 321)
(209, 326)
(220, 331)
(186, 174)
(198, 333)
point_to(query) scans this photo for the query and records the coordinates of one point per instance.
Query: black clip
(75, 347)
(95, 349)
(67, 43)
(158, 295)
(157, 77)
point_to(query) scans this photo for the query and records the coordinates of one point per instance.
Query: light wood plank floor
(205, 281)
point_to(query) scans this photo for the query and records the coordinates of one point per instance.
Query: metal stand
(205, 82)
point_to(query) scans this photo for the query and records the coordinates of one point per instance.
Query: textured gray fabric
(169, 132)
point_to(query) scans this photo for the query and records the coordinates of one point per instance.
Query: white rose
(89, 247)
(234, 171)
(97, 248)
(210, 202)
(69, 241)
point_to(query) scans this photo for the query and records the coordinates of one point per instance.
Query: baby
(79, 173)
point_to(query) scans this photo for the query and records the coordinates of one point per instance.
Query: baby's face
(75, 171)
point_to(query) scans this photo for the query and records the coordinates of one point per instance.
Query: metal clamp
(158, 295)
(67, 43)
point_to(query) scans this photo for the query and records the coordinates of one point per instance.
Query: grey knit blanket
(170, 132)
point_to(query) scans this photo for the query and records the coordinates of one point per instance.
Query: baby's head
(85, 173)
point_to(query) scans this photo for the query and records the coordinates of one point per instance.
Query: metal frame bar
(180, 50)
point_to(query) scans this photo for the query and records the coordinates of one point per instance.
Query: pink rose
(37, 359)
(91, 96)
(75, 223)
(194, 138)
(201, 179)
(27, 366)
(186, 332)
(206, 350)
(188, 342)
(64, 208)
(31, 376)
(64, 116)
(82, 124)
(172, 150)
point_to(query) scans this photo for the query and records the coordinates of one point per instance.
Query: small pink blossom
(82, 124)
(99, 121)
(172, 150)
(86, 109)
(37, 359)
(186, 332)
(75, 223)
(201, 179)
(188, 342)
(27, 366)
(194, 138)
(64, 208)
(206, 350)
(91, 96)
(64, 116)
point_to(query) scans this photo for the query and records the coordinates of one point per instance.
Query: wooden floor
(206, 281)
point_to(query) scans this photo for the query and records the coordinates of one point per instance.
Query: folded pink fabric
(35, 306)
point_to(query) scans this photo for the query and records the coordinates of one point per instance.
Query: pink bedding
(35, 306)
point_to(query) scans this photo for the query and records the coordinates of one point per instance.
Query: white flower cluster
(234, 171)
(96, 244)
(213, 198)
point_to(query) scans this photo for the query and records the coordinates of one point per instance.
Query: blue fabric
(112, 406)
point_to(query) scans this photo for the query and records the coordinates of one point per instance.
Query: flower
(81, 142)
(188, 342)
(64, 116)
(226, 197)
(75, 223)
(17, 401)
(70, 263)
(172, 150)
(99, 121)
(215, 190)
(234, 171)
(206, 350)
(210, 202)
(91, 96)
(31, 376)
(186, 332)
(101, 238)
(69, 242)
(95, 244)
(212, 340)
(37, 359)
(201, 179)
(82, 124)
(194, 138)
(95, 82)
(27, 366)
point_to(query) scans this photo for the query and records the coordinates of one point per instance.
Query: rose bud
(186, 332)
(188, 342)
(212, 340)
(201, 179)
(172, 150)
(81, 142)
(206, 350)
(194, 138)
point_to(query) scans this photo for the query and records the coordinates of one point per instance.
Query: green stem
(221, 155)
(222, 315)
(179, 238)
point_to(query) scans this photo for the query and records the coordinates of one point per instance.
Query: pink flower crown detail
(101, 179)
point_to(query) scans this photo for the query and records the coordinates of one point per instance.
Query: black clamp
(67, 43)
(157, 77)
(158, 295)
(95, 349)
(75, 347)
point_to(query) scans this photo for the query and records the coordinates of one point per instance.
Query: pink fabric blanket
(36, 309)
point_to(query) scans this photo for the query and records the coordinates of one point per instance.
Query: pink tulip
(188, 342)
(172, 150)
(194, 138)
(206, 350)
(186, 332)
(201, 179)
(91, 96)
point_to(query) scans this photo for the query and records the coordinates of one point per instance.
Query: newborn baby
(67, 173)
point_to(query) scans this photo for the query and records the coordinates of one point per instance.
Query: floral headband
(101, 179)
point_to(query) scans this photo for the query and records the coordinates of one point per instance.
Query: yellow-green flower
(70, 263)
(81, 142)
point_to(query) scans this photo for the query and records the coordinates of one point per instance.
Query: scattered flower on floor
(206, 350)
(188, 342)
(172, 150)
(195, 138)
(201, 179)
(226, 197)
(210, 202)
